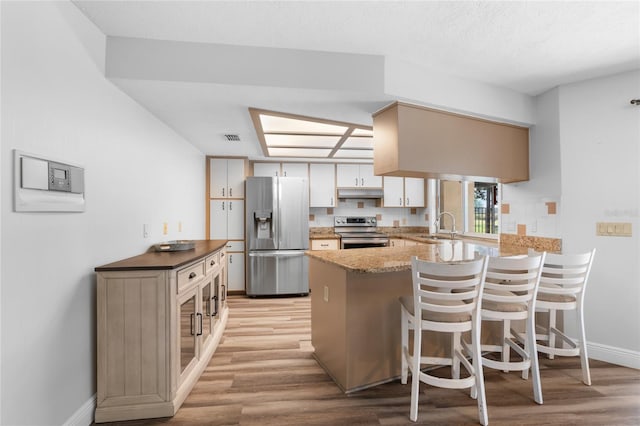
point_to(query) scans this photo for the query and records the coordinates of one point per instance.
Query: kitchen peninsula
(355, 314)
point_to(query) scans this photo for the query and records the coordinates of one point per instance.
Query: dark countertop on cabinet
(165, 260)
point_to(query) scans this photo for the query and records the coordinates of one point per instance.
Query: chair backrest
(448, 289)
(513, 281)
(566, 274)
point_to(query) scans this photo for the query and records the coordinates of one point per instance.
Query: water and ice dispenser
(263, 224)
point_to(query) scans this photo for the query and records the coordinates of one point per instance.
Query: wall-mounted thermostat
(45, 185)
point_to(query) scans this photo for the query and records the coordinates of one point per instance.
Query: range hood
(346, 193)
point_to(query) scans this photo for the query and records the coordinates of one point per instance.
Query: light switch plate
(614, 229)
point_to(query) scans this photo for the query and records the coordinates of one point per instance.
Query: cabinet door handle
(200, 332)
(361, 181)
(223, 205)
(215, 306)
(191, 323)
(356, 181)
(230, 258)
(230, 205)
(192, 275)
(221, 254)
(400, 201)
(223, 192)
(331, 201)
(407, 200)
(230, 192)
(285, 173)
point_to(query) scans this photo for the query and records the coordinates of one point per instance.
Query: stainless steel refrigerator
(277, 221)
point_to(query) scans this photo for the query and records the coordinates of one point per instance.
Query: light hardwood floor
(263, 373)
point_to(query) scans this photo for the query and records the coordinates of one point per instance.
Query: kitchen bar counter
(355, 313)
(395, 259)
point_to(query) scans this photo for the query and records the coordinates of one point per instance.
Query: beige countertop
(391, 259)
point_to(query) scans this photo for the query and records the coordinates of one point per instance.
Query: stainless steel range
(359, 232)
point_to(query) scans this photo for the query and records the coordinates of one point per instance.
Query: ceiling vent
(232, 138)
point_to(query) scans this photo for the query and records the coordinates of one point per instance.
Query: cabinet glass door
(189, 327)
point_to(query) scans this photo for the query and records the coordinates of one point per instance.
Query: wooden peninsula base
(355, 313)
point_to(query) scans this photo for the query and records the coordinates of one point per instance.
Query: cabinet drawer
(324, 245)
(190, 275)
(212, 262)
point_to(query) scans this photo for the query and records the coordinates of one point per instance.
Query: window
(473, 204)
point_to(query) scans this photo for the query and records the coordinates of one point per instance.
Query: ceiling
(330, 59)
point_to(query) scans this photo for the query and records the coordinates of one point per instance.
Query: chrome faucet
(453, 222)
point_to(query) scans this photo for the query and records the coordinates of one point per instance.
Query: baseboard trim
(84, 415)
(613, 355)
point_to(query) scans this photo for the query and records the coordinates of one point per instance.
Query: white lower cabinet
(235, 271)
(156, 330)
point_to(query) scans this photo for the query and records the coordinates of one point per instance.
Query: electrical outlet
(165, 228)
(326, 293)
(145, 230)
(180, 226)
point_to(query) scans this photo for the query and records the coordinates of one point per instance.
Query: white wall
(600, 151)
(57, 103)
(585, 155)
(527, 199)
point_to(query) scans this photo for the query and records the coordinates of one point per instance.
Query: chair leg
(506, 350)
(478, 390)
(415, 373)
(551, 336)
(533, 354)
(584, 359)
(455, 362)
(404, 345)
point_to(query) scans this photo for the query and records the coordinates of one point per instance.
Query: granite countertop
(165, 260)
(323, 233)
(393, 259)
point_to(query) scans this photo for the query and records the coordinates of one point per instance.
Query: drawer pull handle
(213, 262)
(192, 275)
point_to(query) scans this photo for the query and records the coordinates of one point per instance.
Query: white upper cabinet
(266, 169)
(226, 178)
(281, 169)
(295, 170)
(393, 191)
(357, 176)
(322, 185)
(414, 192)
(403, 192)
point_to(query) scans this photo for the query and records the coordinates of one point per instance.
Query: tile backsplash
(387, 217)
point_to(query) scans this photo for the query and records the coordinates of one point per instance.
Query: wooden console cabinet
(160, 317)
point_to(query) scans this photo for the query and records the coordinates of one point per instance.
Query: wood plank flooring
(263, 373)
